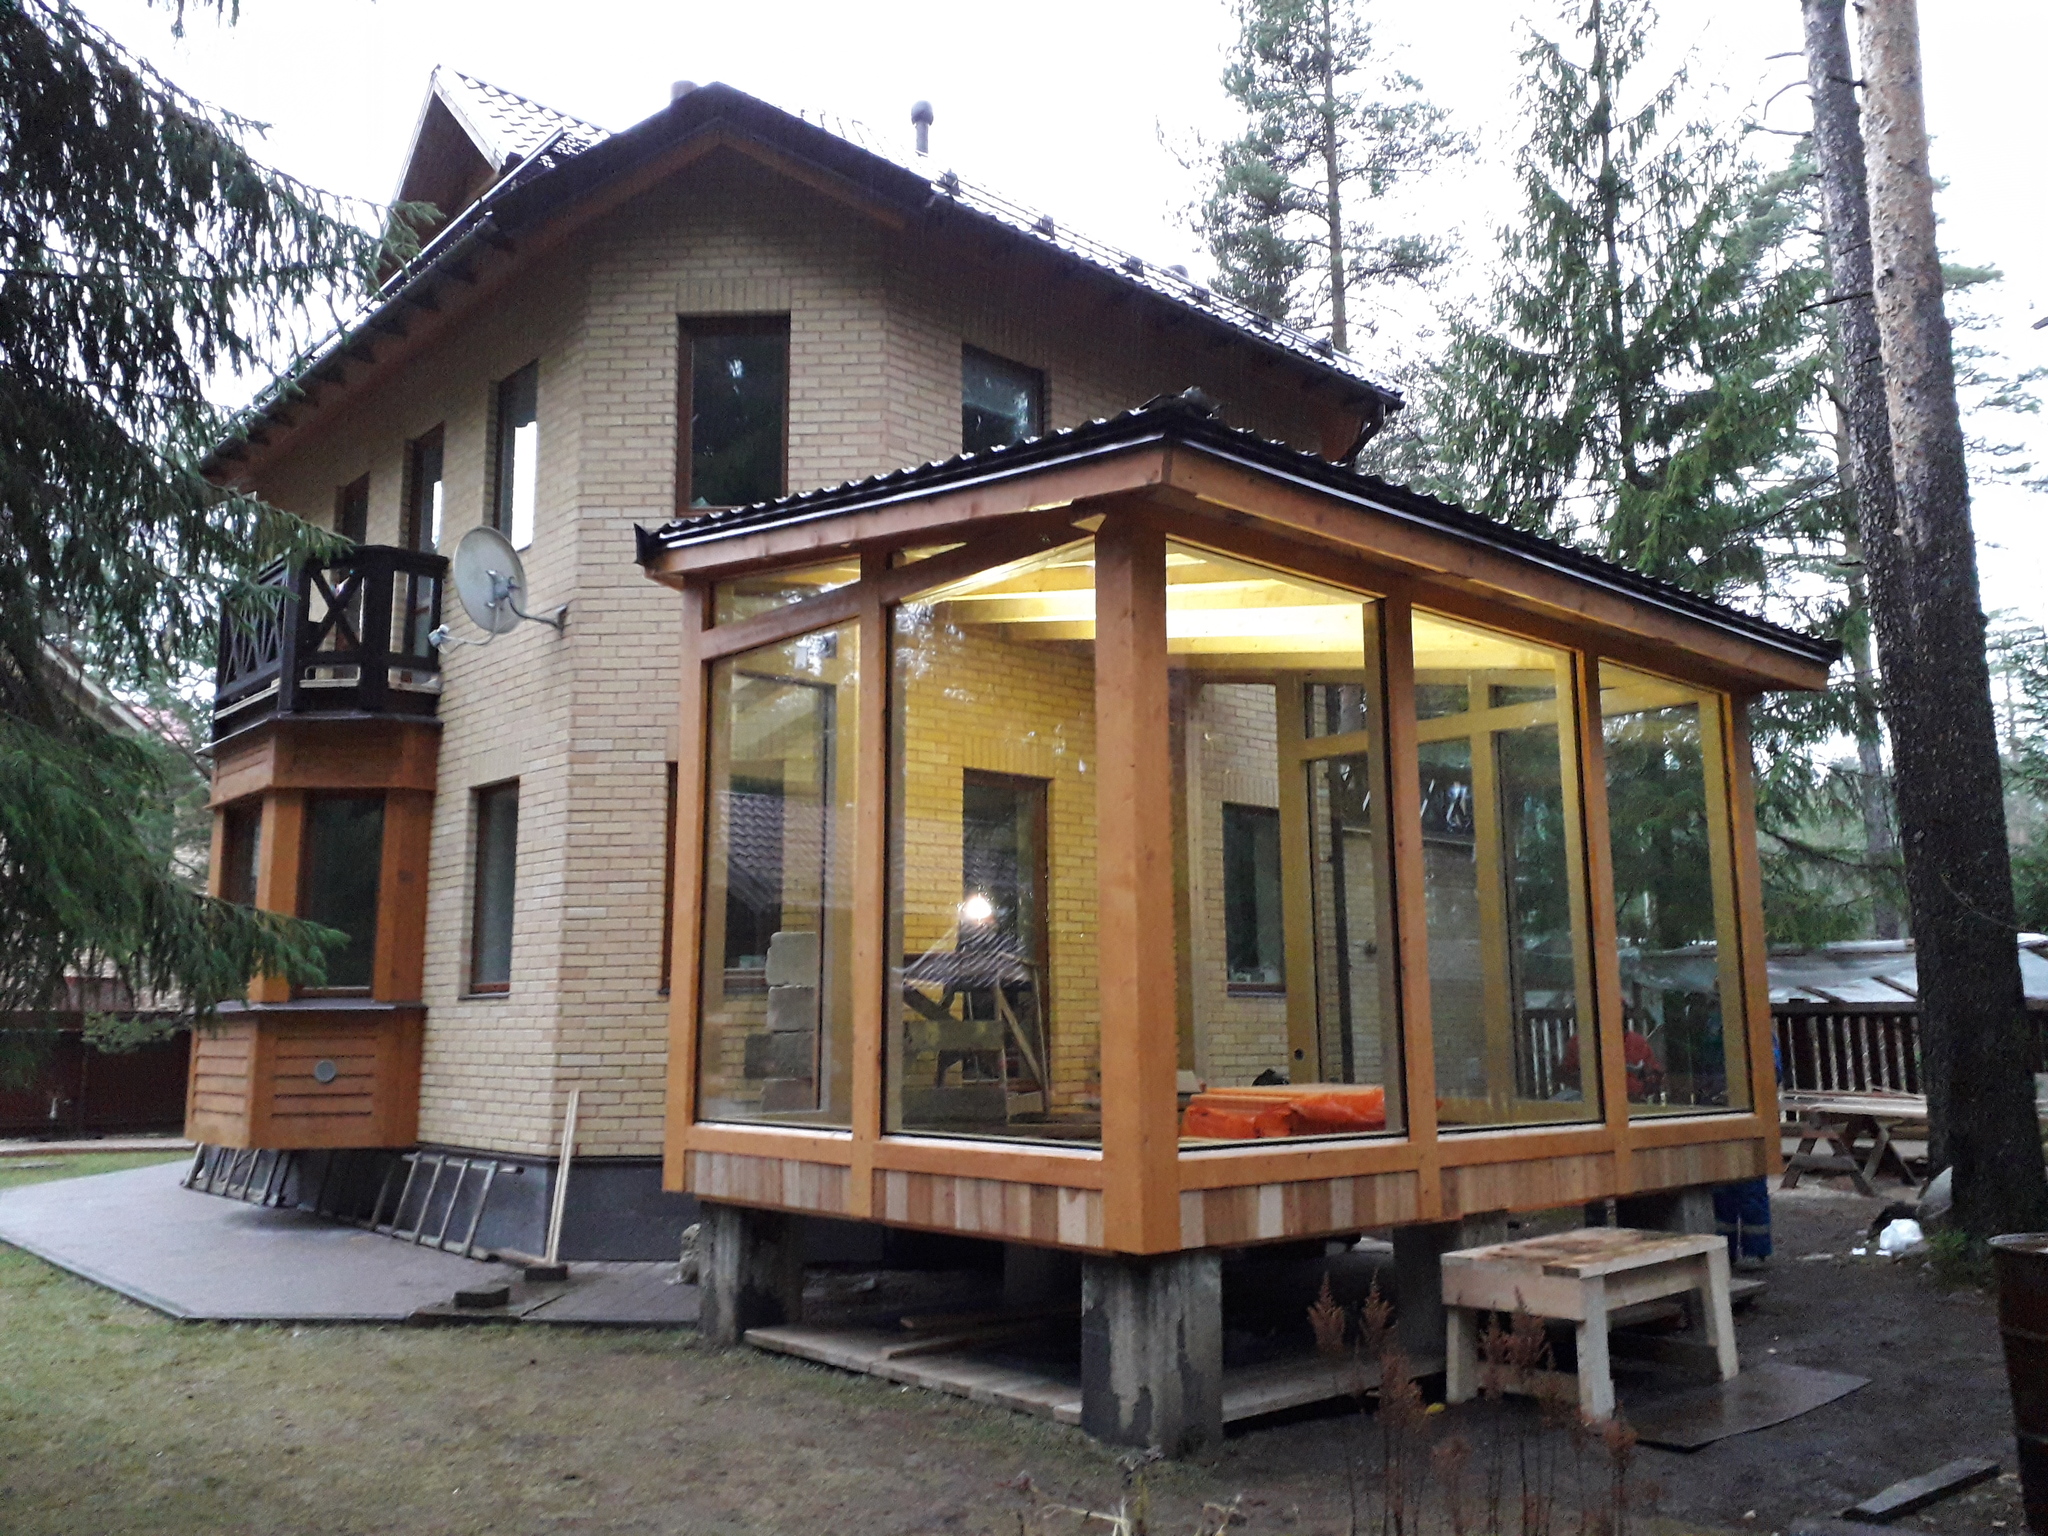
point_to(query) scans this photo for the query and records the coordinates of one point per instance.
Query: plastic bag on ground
(1900, 1235)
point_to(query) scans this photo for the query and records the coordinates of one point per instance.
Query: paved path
(87, 1148)
(204, 1257)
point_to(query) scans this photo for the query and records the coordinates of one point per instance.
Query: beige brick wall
(586, 722)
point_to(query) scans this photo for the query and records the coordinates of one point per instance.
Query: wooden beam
(280, 857)
(1134, 853)
(1602, 1051)
(1749, 907)
(398, 971)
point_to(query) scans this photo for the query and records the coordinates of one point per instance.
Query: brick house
(491, 824)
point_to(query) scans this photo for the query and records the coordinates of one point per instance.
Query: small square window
(1001, 402)
(734, 411)
(1252, 936)
(518, 485)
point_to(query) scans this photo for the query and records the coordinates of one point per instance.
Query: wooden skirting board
(1024, 1210)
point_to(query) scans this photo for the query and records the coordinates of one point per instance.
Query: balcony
(349, 636)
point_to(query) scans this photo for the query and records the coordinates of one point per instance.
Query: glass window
(241, 848)
(736, 394)
(745, 596)
(995, 1016)
(494, 888)
(518, 460)
(1252, 938)
(776, 1021)
(1509, 978)
(1667, 815)
(1286, 935)
(344, 850)
(352, 511)
(424, 491)
(1000, 402)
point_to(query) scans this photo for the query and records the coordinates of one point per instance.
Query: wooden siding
(1264, 1213)
(253, 1082)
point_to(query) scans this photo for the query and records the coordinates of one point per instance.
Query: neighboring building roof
(1881, 973)
(544, 163)
(1190, 420)
(507, 126)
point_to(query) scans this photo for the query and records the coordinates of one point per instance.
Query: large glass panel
(745, 596)
(776, 1024)
(1289, 1013)
(344, 852)
(994, 1007)
(1667, 811)
(518, 485)
(1503, 889)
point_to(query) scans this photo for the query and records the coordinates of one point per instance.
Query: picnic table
(1857, 1130)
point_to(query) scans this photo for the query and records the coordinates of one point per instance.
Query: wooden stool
(1581, 1277)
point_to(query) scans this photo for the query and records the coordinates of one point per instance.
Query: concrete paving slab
(203, 1257)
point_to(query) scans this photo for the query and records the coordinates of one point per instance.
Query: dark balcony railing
(348, 636)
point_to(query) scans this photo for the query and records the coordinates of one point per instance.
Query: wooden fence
(1860, 1050)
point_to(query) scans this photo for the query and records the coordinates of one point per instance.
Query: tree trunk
(1333, 185)
(1930, 629)
(1873, 789)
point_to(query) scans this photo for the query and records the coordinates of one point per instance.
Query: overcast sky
(1077, 107)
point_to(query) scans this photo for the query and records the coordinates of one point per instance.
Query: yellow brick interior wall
(972, 700)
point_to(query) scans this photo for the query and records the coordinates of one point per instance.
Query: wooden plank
(1902, 1498)
(1717, 750)
(1610, 1013)
(1134, 851)
(686, 926)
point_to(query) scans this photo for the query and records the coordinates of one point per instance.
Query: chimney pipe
(681, 89)
(921, 115)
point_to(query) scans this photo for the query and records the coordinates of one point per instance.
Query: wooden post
(686, 930)
(398, 965)
(1411, 918)
(871, 961)
(281, 854)
(1749, 911)
(1602, 1056)
(1134, 849)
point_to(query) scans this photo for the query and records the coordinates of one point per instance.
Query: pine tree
(143, 250)
(1333, 127)
(1640, 376)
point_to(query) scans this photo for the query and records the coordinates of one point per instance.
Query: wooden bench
(1581, 1277)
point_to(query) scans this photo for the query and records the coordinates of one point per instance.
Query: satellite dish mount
(490, 580)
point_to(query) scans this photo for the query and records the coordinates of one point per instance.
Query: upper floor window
(518, 464)
(352, 510)
(423, 457)
(734, 410)
(241, 851)
(1001, 402)
(1254, 948)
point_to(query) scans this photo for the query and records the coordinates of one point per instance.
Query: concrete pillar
(1419, 1275)
(752, 1273)
(1669, 1210)
(1152, 1350)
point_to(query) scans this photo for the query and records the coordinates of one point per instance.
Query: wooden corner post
(1134, 850)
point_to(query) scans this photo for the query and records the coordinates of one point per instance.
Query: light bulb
(977, 909)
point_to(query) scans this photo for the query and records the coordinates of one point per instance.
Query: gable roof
(1189, 420)
(544, 165)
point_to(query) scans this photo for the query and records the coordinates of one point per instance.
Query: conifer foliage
(1332, 127)
(142, 249)
(1643, 362)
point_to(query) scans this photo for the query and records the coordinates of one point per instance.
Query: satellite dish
(490, 579)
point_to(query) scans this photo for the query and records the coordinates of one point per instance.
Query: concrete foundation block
(1152, 1351)
(1419, 1275)
(1689, 1210)
(751, 1273)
